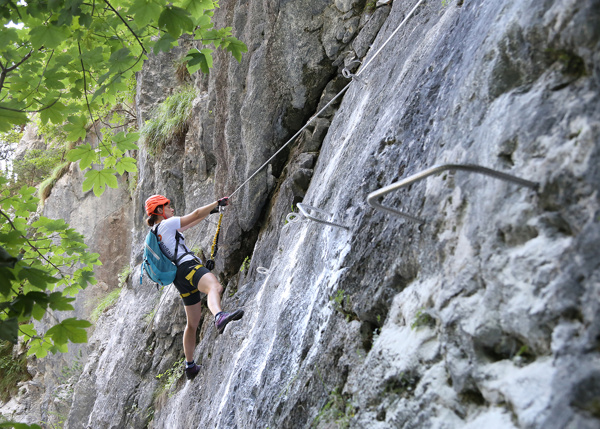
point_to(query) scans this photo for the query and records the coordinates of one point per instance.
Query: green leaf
(9, 330)
(54, 113)
(76, 128)
(49, 36)
(69, 330)
(165, 43)
(36, 277)
(38, 348)
(236, 48)
(126, 141)
(23, 305)
(144, 12)
(196, 7)
(38, 311)
(203, 23)
(50, 225)
(121, 60)
(87, 278)
(59, 302)
(28, 331)
(199, 59)
(53, 79)
(126, 164)
(84, 154)
(99, 179)
(8, 36)
(6, 259)
(9, 118)
(176, 20)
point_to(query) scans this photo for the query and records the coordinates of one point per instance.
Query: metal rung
(437, 169)
(303, 209)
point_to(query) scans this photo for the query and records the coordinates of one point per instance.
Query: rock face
(486, 315)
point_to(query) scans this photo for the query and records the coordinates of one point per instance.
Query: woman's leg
(209, 285)
(192, 313)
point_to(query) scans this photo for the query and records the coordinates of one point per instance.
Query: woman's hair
(151, 221)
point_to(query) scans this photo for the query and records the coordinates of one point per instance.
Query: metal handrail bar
(373, 196)
(303, 209)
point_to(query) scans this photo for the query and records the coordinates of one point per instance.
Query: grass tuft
(107, 302)
(45, 188)
(12, 371)
(168, 120)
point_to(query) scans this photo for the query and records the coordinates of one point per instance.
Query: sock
(190, 364)
(217, 315)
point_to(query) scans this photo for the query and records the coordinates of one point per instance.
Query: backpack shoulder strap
(178, 236)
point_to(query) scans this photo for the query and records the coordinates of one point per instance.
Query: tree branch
(127, 25)
(87, 101)
(25, 58)
(31, 245)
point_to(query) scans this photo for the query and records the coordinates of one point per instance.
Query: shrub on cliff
(168, 120)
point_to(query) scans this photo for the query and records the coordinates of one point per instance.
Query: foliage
(66, 59)
(8, 141)
(46, 186)
(18, 425)
(42, 264)
(422, 318)
(182, 73)
(171, 376)
(12, 371)
(245, 264)
(337, 409)
(124, 275)
(168, 120)
(108, 301)
(35, 166)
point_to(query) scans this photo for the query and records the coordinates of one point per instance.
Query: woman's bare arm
(196, 216)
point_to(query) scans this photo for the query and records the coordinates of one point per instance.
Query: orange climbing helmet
(153, 202)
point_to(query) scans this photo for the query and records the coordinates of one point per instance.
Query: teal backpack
(156, 264)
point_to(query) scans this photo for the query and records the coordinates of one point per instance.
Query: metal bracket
(373, 196)
(292, 218)
(303, 210)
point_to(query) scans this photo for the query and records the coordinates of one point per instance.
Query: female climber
(192, 277)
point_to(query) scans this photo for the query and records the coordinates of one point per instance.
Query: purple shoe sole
(226, 318)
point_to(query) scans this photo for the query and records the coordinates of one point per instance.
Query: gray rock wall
(484, 316)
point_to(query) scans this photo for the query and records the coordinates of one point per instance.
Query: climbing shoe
(192, 371)
(222, 319)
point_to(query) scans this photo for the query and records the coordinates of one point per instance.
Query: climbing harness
(374, 196)
(185, 295)
(190, 276)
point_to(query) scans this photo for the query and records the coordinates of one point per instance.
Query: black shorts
(186, 281)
